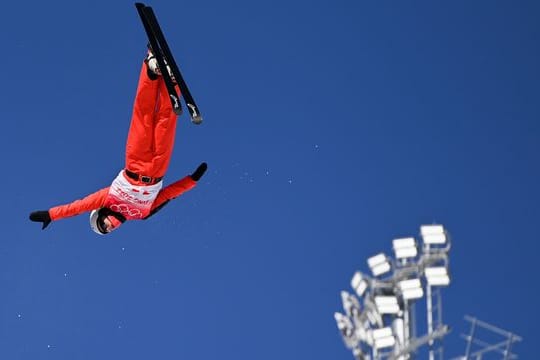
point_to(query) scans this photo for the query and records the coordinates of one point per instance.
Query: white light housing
(383, 338)
(387, 304)
(382, 333)
(385, 342)
(379, 264)
(346, 328)
(359, 283)
(351, 305)
(398, 326)
(433, 234)
(411, 289)
(412, 294)
(342, 321)
(404, 248)
(374, 317)
(344, 324)
(410, 284)
(362, 334)
(437, 276)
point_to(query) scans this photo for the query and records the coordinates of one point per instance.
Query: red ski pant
(151, 135)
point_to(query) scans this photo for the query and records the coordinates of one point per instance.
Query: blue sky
(331, 127)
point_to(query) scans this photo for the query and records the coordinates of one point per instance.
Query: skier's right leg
(140, 141)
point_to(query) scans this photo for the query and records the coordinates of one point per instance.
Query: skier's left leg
(164, 132)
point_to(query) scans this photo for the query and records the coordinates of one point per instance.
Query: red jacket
(97, 199)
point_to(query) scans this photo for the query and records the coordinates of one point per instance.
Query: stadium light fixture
(379, 313)
(437, 276)
(379, 264)
(387, 304)
(373, 316)
(344, 324)
(383, 338)
(351, 305)
(359, 283)
(404, 248)
(433, 234)
(411, 289)
(346, 328)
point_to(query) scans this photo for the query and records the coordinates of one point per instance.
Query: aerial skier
(137, 192)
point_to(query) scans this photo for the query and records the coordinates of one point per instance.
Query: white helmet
(94, 215)
(97, 216)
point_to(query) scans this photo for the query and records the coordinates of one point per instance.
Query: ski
(186, 94)
(173, 95)
(164, 57)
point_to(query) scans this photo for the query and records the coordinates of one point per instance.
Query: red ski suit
(148, 152)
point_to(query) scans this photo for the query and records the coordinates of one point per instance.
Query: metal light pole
(430, 320)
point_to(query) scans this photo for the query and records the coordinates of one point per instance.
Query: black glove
(41, 216)
(197, 174)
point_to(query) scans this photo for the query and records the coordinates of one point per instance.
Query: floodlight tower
(383, 326)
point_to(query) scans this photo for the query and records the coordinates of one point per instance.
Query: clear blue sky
(331, 127)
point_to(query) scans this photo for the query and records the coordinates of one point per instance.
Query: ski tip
(197, 120)
(139, 5)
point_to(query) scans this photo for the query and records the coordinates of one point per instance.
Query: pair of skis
(163, 55)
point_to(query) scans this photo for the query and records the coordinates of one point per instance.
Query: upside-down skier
(136, 193)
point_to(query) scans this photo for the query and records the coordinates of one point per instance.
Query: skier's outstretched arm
(89, 203)
(178, 188)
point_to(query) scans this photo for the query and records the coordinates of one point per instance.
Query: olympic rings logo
(126, 210)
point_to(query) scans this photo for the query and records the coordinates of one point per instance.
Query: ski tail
(163, 53)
